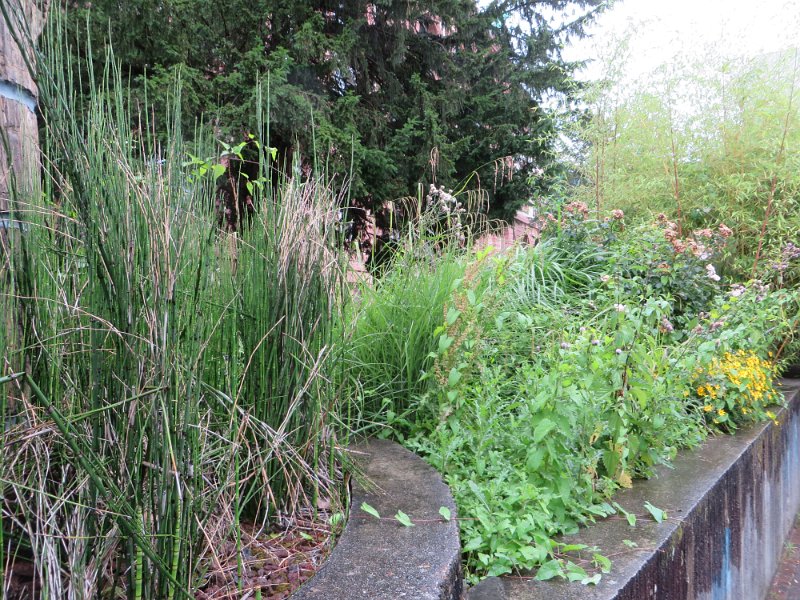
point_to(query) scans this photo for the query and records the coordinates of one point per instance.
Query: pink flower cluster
(693, 244)
(577, 208)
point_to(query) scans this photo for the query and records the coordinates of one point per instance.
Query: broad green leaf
(452, 315)
(473, 544)
(603, 510)
(602, 562)
(454, 377)
(593, 580)
(544, 427)
(370, 510)
(610, 460)
(707, 347)
(573, 547)
(498, 569)
(535, 458)
(629, 516)
(548, 570)
(445, 341)
(533, 554)
(576, 573)
(445, 512)
(658, 514)
(403, 519)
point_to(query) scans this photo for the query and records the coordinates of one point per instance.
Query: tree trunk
(21, 22)
(18, 96)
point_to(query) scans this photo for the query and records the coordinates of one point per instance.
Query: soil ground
(271, 565)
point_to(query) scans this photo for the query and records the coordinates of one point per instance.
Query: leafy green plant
(737, 346)
(544, 397)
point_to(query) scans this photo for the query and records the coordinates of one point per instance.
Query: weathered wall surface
(19, 143)
(730, 506)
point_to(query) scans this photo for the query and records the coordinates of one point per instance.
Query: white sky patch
(660, 33)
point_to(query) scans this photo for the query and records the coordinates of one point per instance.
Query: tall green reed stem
(164, 352)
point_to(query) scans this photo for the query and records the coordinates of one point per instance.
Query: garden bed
(730, 505)
(554, 376)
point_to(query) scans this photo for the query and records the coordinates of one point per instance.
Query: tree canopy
(392, 93)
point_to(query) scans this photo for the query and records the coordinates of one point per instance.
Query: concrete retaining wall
(380, 559)
(730, 504)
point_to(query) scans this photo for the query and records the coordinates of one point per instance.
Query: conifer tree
(393, 92)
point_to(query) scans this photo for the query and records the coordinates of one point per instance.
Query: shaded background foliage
(390, 93)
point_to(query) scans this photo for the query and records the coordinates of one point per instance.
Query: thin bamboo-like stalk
(181, 388)
(779, 158)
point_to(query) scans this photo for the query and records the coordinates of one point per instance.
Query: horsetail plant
(175, 373)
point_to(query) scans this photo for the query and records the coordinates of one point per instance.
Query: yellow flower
(708, 408)
(721, 412)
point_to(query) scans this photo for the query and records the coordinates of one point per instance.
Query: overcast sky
(660, 30)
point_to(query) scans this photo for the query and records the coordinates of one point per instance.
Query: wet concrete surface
(380, 559)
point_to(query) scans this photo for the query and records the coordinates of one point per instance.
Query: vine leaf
(370, 510)
(658, 514)
(404, 519)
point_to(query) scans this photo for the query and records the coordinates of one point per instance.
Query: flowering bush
(644, 263)
(560, 372)
(735, 389)
(650, 260)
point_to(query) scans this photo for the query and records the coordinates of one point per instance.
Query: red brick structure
(524, 230)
